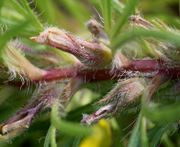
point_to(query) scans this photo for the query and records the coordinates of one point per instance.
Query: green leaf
(156, 133)
(49, 11)
(136, 33)
(12, 33)
(144, 138)
(53, 136)
(118, 6)
(76, 9)
(128, 10)
(31, 14)
(135, 136)
(106, 12)
(166, 141)
(69, 128)
(15, 12)
(47, 138)
(163, 114)
(18, 7)
(1, 5)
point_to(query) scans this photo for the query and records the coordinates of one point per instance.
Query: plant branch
(146, 68)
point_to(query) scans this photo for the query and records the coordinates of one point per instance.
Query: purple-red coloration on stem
(142, 66)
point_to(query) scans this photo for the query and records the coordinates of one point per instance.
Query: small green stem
(69, 128)
(47, 138)
(144, 139)
(53, 136)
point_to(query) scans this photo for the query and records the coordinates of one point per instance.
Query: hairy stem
(145, 68)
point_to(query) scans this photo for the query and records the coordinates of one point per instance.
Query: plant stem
(146, 68)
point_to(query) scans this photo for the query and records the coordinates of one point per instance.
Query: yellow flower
(100, 137)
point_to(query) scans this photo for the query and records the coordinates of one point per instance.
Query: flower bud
(92, 54)
(124, 93)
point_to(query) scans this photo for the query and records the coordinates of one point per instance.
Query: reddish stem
(143, 66)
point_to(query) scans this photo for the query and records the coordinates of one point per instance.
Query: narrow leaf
(69, 128)
(136, 33)
(128, 10)
(163, 114)
(135, 137)
(106, 11)
(12, 32)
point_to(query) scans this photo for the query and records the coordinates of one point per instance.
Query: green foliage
(67, 127)
(128, 10)
(106, 12)
(14, 31)
(155, 124)
(136, 33)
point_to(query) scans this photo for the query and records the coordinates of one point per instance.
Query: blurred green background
(70, 15)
